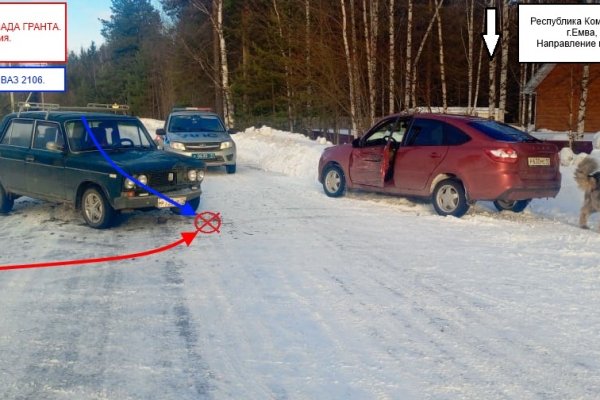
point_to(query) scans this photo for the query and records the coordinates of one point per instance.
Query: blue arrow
(185, 209)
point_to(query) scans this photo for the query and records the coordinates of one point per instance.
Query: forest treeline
(298, 64)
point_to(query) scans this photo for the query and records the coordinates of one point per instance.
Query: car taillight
(505, 155)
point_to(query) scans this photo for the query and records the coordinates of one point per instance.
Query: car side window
(377, 135)
(426, 132)
(454, 136)
(18, 133)
(48, 136)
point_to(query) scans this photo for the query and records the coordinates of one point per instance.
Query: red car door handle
(435, 155)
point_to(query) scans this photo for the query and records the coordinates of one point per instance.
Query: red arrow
(186, 237)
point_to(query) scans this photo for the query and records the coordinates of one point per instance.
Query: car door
(14, 149)
(45, 164)
(367, 155)
(423, 150)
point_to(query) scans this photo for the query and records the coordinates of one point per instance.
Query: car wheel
(6, 201)
(511, 205)
(96, 210)
(334, 182)
(449, 198)
(230, 169)
(194, 203)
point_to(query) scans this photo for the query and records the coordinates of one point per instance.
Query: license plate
(203, 156)
(538, 161)
(162, 203)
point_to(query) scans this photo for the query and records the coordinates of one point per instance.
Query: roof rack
(111, 108)
(37, 106)
(40, 106)
(114, 106)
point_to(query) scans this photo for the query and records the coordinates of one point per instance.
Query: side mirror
(356, 142)
(161, 132)
(232, 131)
(53, 146)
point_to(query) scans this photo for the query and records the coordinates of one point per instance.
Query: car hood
(132, 161)
(194, 137)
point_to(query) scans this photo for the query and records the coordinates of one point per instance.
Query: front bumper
(212, 158)
(136, 202)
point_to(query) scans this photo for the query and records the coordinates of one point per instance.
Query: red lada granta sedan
(453, 160)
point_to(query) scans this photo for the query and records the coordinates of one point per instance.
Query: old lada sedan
(51, 155)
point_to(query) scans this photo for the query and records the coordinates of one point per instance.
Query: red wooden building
(555, 90)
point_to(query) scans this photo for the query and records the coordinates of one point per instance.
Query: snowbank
(288, 153)
(152, 125)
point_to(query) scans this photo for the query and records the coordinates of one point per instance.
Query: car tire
(194, 203)
(334, 181)
(449, 198)
(97, 211)
(230, 169)
(6, 201)
(516, 206)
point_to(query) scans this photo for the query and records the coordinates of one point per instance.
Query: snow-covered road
(301, 297)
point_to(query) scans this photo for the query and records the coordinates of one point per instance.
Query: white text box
(32, 79)
(559, 33)
(33, 32)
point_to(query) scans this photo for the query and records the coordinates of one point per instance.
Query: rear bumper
(529, 193)
(124, 203)
(513, 187)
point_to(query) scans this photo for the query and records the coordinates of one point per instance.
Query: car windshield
(503, 132)
(110, 134)
(195, 123)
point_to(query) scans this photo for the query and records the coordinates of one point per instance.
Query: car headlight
(129, 184)
(177, 146)
(200, 175)
(192, 175)
(143, 179)
(226, 145)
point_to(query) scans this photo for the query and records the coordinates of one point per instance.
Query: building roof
(538, 78)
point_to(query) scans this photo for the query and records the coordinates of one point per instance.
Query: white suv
(199, 133)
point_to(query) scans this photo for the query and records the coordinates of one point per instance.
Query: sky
(84, 24)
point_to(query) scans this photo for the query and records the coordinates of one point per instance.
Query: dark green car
(51, 156)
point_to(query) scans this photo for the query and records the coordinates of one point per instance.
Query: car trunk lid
(537, 160)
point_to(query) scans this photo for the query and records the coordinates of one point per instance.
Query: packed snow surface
(302, 296)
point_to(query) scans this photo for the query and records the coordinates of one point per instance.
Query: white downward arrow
(490, 37)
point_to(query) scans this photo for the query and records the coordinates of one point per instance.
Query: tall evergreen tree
(132, 33)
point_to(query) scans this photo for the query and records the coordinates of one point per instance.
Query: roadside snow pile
(288, 153)
(152, 125)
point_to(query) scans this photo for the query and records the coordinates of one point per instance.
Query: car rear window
(502, 132)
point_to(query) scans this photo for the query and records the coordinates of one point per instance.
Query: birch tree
(585, 79)
(371, 27)
(217, 22)
(492, 80)
(470, 8)
(408, 61)
(442, 63)
(286, 60)
(308, 44)
(504, 67)
(350, 69)
(392, 56)
(413, 70)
